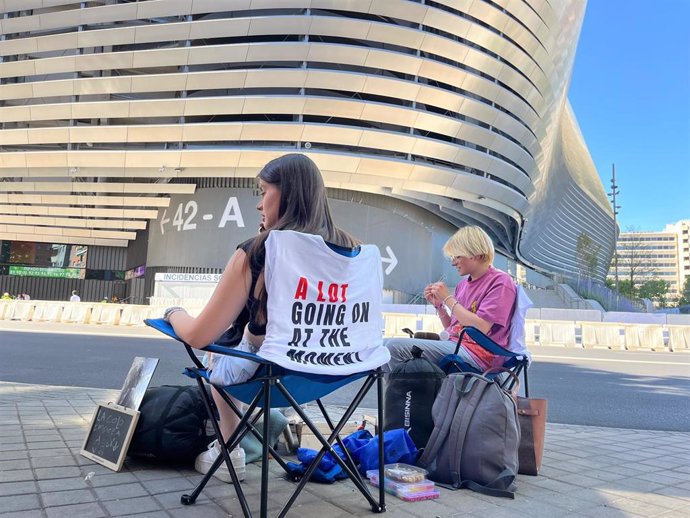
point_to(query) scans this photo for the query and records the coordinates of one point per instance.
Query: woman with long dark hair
(293, 197)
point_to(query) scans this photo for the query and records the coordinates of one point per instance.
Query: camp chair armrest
(485, 342)
(164, 327)
(230, 351)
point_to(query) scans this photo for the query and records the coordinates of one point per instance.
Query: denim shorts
(229, 370)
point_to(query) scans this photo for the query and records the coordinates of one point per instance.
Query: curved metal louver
(450, 105)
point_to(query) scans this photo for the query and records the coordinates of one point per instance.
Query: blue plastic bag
(363, 448)
(397, 447)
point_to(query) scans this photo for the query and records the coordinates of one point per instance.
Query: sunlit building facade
(120, 118)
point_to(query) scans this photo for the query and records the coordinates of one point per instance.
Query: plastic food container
(404, 472)
(409, 492)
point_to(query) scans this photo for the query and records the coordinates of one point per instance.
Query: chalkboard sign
(109, 435)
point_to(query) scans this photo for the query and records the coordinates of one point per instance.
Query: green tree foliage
(627, 288)
(655, 290)
(685, 294)
(587, 255)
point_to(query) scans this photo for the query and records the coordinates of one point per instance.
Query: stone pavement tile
(90, 510)
(661, 500)
(111, 479)
(50, 452)
(666, 462)
(12, 446)
(166, 485)
(677, 513)
(17, 488)
(53, 462)
(42, 445)
(63, 472)
(16, 475)
(171, 500)
(674, 492)
(604, 511)
(591, 478)
(13, 438)
(555, 485)
(19, 503)
(638, 507)
(660, 477)
(76, 496)
(37, 513)
(14, 464)
(63, 484)
(131, 506)
(155, 473)
(322, 509)
(121, 491)
(205, 510)
(13, 455)
(636, 484)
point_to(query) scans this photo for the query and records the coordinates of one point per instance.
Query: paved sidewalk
(597, 472)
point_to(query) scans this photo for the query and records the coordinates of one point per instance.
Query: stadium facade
(132, 131)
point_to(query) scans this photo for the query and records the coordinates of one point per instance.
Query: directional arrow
(164, 220)
(390, 259)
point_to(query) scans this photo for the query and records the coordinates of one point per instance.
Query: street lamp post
(613, 194)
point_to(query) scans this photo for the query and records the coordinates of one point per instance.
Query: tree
(685, 294)
(587, 255)
(656, 290)
(634, 259)
(627, 289)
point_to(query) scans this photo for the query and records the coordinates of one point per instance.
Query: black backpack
(410, 392)
(172, 425)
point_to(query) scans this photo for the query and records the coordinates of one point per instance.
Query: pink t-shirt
(492, 298)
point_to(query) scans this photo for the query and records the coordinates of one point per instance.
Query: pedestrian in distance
(75, 297)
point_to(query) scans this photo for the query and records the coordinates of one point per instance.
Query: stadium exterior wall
(110, 108)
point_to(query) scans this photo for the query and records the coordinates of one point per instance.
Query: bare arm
(463, 315)
(226, 303)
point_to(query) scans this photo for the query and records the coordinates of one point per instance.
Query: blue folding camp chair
(336, 293)
(275, 387)
(514, 362)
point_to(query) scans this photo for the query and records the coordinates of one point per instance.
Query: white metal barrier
(678, 338)
(559, 333)
(644, 336)
(47, 312)
(596, 334)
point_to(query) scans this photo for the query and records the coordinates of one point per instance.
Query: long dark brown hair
(303, 208)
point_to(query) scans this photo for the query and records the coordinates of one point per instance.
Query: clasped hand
(435, 293)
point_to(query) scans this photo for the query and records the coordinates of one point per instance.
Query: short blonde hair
(470, 242)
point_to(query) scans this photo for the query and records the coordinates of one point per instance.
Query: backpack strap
(459, 428)
(506, 476)
(474, 387)
(442, 411)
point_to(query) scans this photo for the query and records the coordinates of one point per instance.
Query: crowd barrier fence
(538, 332)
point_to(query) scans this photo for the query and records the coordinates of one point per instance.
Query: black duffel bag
(410, 392)
(172, 425)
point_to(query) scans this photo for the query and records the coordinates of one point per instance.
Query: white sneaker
(205, 460)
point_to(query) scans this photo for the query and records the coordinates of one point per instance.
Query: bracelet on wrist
(444, 300)
(168, 312)
(452, 308)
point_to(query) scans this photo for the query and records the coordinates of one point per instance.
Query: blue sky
(630, 92)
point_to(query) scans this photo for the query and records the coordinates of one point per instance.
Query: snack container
(409, 492)
(404, 472)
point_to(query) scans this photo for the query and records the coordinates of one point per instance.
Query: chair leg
(190, 499)
(381, 415)
(326, 445)
(348, 457)
(264, 450)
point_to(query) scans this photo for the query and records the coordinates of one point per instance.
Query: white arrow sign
(391, 259)
(164, 220)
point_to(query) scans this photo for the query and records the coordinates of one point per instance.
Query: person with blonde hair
(484, 299)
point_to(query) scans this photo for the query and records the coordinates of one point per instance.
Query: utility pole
(613, 194)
